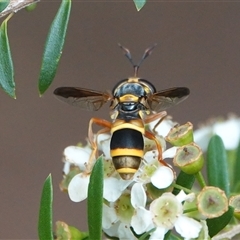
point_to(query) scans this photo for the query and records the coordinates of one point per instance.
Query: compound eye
(148, 84)
(118, 85)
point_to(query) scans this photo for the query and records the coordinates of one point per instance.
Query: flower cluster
(152, 201)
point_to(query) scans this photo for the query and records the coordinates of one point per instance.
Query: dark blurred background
(198, 47)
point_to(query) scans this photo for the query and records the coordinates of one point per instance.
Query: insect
(134, 102)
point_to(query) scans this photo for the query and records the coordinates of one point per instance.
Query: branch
(16, 5)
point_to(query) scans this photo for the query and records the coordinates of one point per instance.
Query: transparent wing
(84, 98)
(164, 99)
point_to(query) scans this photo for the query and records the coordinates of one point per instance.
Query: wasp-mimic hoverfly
(134, 103)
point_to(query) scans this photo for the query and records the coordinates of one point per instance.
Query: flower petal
(202, 137)
(66, 167)
(109, 217)
(182, 196)
(162, 177)
(159, 233)
(138, 196)
(124, 232)
(164, 127)
(187, 227)
(113, 230)
(78, 187)
(104, 144)
(170, 153)
(113, 188)
(229, 131)
(142, 220)
(150, 157)
(103, 137)
(77, 155)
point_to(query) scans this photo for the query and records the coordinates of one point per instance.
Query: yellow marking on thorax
(129, 98)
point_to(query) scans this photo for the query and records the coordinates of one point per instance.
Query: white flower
(142, 219)
(167, 212)
(128, 211)
(117, 217)
(152, 171)
(228, 130)
(77, 156)
(114, 185)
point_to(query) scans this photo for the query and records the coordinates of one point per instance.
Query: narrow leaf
(6, 65)
(31, 7)
(95, 201)
(185, 180)
(3, 4)
(45, 212)
(139, 4)
(217, 168)
(235, 172)
(145, 235)
(53, 46)
(215, 225)
(170, 236)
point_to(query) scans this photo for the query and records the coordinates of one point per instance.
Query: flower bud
(180, 135)
(212, 202)
(64, 231)
(234, 201)
(189, 158)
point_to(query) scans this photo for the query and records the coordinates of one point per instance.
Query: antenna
(127, 53)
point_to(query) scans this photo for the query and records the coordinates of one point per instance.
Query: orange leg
(151, 136)
(99, 121)
(107, 126)
(161, 116)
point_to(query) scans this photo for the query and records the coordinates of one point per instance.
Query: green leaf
(139, 4)
(235, 172)
(3, 4)
(6, 65)
(53, 46)
(45, 212)
(31, 7)
(170, 236)
(185, 180)
(95, 201)
(215, 225)
(217, 168)
(143, 236)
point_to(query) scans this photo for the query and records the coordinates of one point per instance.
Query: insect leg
(151, 136)
(103, 123)
(161, 116)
